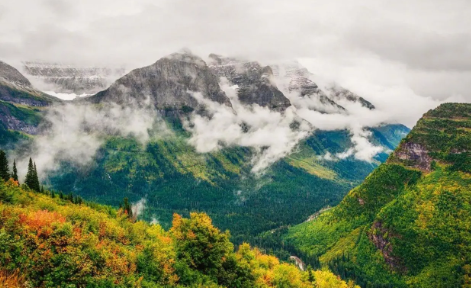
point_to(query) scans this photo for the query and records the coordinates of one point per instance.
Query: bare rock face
(380, 236)
(300, 81)
(338, 93)
(255, 85)
(13, 123)
(168, 84)
(65, 78)
(414, 155)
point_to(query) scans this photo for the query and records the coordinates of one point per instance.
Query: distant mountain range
(66, 79)
(169, 173)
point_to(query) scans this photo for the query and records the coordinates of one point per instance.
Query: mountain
(174, 177)
(52, 240)
(71, 79)
(407, 224)
(171, 175)
(167, 84)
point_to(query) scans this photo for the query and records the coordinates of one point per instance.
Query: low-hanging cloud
(268, 132)
(271, 133)
(74, 132)
(138, 207)
(398, 54)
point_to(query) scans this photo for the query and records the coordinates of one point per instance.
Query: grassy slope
(404, 226)
(32, 97)
(30, 116)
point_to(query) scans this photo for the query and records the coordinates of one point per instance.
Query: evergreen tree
(29, 175)
(4, 170)
(14, 175)
(32, 177)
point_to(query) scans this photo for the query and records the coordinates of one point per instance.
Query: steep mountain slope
(21, 106)
(51, 240)
(167, 84)
(408, 223)
(294, 78)
(255, 83)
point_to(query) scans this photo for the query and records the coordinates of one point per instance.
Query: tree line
(31, 179)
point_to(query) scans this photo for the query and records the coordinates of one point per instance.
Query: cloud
(271, 134)
(390, 53)
(403, 57)
(268, 132)
(139, 207)
(74, 132)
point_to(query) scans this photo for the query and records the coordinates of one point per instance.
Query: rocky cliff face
(13, 121)
(381, 237)
(255, 82)
(293, 77)
(338, 93)
(63, 78)
(414, 155)
(294, 80)
(168, 84)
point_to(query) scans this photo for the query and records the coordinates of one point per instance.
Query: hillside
(408, 224)
(51, 240)
(220, 183)
(21, 107)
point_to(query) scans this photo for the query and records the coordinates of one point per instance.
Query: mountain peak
(439, 136)
(168, 84)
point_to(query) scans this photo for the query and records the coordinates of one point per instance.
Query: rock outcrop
(414, 155)
(254, 81)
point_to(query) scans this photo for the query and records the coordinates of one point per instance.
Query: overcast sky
(405, 56)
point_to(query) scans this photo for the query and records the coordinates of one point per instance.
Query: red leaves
(40, 219)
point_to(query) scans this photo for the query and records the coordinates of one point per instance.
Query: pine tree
(14, 175)
(29, 175)
(32, 179)
(4, 170)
